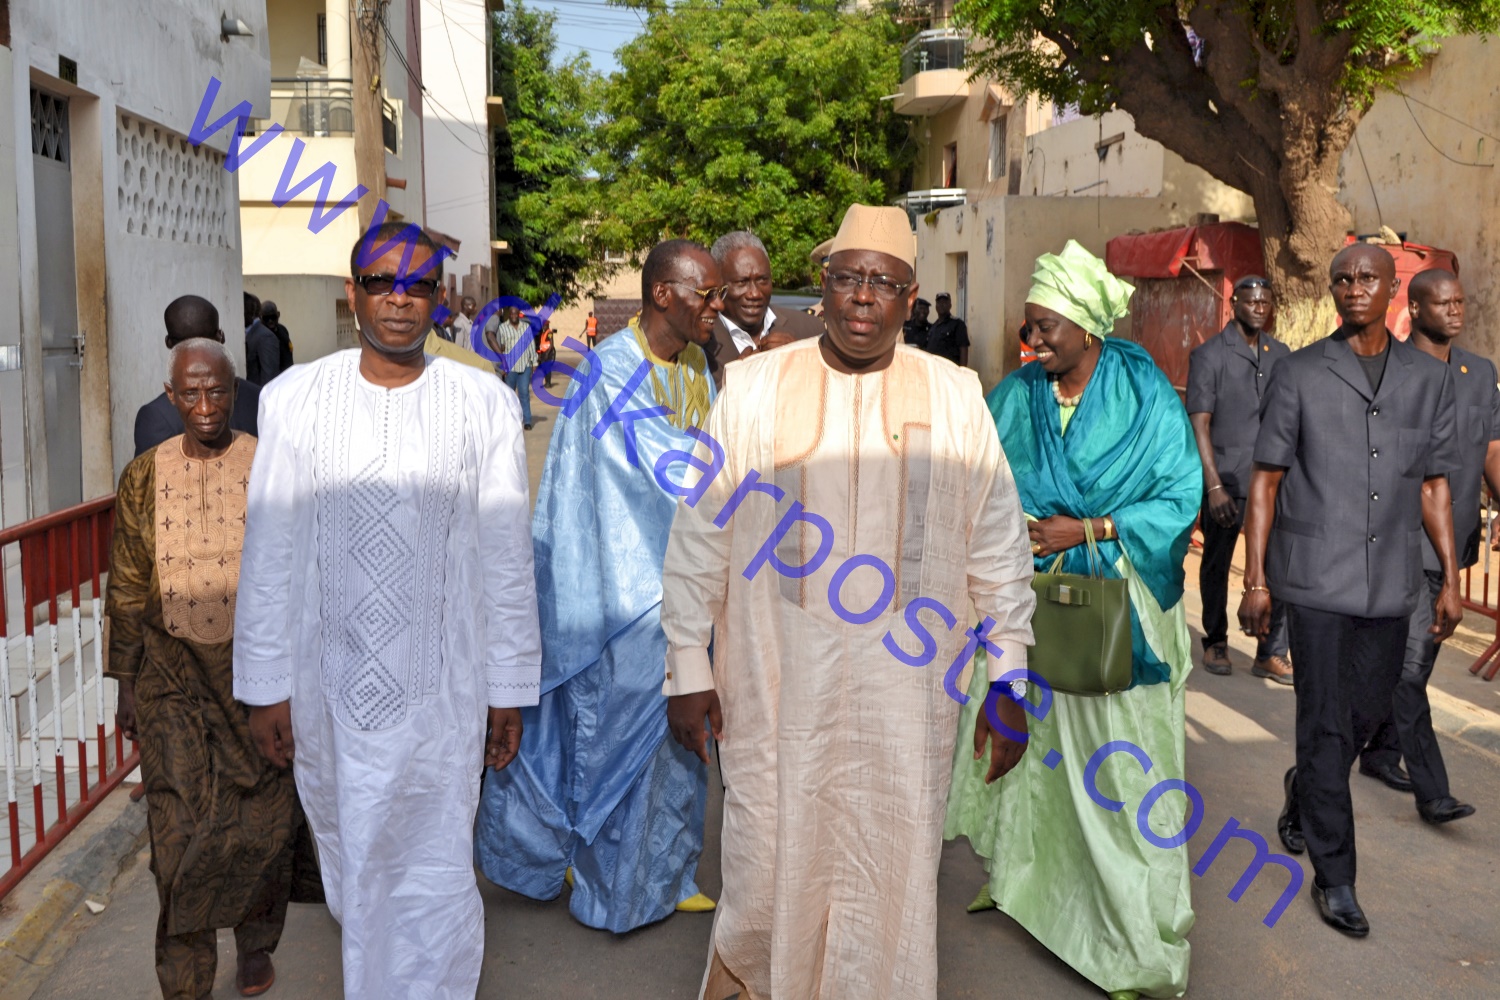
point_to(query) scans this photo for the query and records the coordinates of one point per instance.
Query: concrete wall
(13, 458)
(277, 238)
(1421, 190)
(967, 124)
(1002, 238)
(153, 216)
(301, 270)
(1064, 160)
(308, 305)
(455, 67)
(624, 284)
(296, 34)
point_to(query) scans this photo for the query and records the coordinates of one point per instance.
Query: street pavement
(1431, 894)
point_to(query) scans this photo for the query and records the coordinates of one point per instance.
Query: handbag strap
(1096, 560)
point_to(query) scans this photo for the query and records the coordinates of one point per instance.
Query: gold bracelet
(1251, 590)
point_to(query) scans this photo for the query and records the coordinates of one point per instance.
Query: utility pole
(367, 59)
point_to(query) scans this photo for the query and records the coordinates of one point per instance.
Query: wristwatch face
(1018, 688)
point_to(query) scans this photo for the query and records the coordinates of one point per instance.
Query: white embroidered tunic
(387, 590)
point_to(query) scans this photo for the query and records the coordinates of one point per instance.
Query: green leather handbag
(1082, 627)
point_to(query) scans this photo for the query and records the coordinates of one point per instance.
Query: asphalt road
(1432, 895)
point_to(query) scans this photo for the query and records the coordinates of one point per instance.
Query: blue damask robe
(599, 785)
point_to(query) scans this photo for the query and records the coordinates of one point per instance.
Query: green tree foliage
(1266, 103)
(763, 115)
(540, 161)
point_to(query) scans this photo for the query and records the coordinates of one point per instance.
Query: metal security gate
(62, 341)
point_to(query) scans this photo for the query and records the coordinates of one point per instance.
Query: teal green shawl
(1128, 453)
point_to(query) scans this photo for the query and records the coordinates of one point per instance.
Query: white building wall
(1429, 170)
(150, 61)
(455, 68)
(13, 492)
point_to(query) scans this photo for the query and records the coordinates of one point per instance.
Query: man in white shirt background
(748, 323)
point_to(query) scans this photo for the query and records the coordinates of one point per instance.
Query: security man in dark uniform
(949, 336)
(914, 330)
(1357, 439)
(1436, 301)
(1227, 376)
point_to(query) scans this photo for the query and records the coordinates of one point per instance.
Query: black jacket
(1227, 378)
(1347, 534)
(284, 345)
(722, 350)
(262, 354)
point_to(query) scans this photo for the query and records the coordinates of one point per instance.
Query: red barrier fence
(59, 562)
(1485, 600)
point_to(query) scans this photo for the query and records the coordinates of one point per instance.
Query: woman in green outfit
(1094, 430)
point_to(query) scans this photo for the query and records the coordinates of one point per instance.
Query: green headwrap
(1077, 285)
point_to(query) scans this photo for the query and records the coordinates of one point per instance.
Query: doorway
(961, 286)
(62, 344)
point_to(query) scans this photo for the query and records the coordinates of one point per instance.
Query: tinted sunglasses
(385, 284)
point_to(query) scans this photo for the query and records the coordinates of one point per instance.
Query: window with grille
(49, 125)
(998, 162)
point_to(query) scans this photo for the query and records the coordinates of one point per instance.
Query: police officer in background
(1436, 301)
(949, 336)
(914, 330)
(1357, 439)
(1227, 376)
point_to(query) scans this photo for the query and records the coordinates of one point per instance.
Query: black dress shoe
(1289, 824)
(1391, 774)
(1340, 910)
(1444, 810)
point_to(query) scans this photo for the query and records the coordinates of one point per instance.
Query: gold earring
(1088, 341)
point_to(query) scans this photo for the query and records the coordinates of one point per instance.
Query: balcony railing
(309, 106)
(919, 203)
(939, 48)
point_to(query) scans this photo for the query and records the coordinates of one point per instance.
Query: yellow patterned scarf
(686, 390)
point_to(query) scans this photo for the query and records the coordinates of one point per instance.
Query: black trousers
(1213, 584)
(1347, 668)
(1407, 729)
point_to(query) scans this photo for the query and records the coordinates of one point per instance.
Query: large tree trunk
(1271, 125)
(1302, 226)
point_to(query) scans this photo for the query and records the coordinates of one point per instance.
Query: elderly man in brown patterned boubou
(224, 822)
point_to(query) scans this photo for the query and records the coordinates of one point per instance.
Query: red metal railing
(61, 555)
(1485, 602)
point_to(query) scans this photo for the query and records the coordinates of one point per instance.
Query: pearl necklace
(1067, 401)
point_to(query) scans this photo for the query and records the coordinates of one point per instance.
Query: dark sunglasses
(1252, 283)
(385, 284)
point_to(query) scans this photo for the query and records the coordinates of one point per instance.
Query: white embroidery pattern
(382, 540)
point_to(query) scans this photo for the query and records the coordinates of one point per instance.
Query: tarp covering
(1230, 247)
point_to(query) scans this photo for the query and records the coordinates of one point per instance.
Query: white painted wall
(13, 503)
(1425, 186)
(455, 68)
(308, 305)
(150, 61)
(1064, 161)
